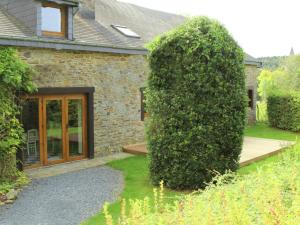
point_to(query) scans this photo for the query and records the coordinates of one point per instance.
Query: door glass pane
(54, 129)
(75, 130)
(30, 120)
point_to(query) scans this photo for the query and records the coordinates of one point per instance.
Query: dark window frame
(250, 98)
(143, 110)
(119, 27)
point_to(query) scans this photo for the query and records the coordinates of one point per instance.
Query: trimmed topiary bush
(196, 99)
(284, 111)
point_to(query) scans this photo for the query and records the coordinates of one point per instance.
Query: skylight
(126, 31)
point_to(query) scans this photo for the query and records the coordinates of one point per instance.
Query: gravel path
(66, 199)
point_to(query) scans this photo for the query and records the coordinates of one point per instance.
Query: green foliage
(137, 186)
(15, 77)
(136, 173)
(272, 63)
(279, 88)
(15, 73)
(270, 195)
(261, 112)
(284, 111)
(20, 181)
(197, 100)
(284, 79)
(271, 83)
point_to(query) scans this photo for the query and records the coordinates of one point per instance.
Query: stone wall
(252, 72)
(117, 80)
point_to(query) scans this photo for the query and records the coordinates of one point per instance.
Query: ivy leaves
(15, 73)
(15, 77)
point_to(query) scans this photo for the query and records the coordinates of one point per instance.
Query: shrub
(282, 79)
(269, 196)
(15, 77)
(261, 111)
(284, 111)
(196, 99)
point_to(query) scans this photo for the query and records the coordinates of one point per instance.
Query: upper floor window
(54, 20)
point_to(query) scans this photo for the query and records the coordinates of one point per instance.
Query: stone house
(91, 68)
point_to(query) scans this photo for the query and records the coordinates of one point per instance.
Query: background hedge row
(284, 111)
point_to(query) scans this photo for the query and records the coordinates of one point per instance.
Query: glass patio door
(55, 129)
(76, 127)
(64, 128)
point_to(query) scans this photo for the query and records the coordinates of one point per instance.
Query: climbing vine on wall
(15, 78)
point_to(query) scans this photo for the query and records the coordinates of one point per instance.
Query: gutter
(65, 2)
(68, 45)
(80, 46)
(253, 63)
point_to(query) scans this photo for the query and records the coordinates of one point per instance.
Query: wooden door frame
(46, 162)
(65, 134)
(89, 92)
(84, 126)
(89, 114)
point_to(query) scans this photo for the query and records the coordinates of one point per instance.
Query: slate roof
(92, 27)
(93, 24)
(10, 26)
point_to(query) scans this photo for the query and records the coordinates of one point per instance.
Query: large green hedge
(196, 99)
(15, 77)
(284, 111)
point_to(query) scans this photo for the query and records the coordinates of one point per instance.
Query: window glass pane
(51, 19)
(126, 31)
(250, 96)
(54, 129)
(75, 127)
(30, 121)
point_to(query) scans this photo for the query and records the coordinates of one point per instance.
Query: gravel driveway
(66, 199)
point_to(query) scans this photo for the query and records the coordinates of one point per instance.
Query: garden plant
(269, 195)
(284, 110)
(196, 99)
(15, 78)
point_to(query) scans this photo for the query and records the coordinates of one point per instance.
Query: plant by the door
(15, 77)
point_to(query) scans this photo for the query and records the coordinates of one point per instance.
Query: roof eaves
(68, 45)
(253, 63)
(80, 46)
(66, 2)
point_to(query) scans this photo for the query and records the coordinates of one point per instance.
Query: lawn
(136, 175)
(262, 130)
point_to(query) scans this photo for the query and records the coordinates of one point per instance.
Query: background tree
(196, 99)
(284, 79)
(272, 63)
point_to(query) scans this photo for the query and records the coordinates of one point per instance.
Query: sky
(261, 27)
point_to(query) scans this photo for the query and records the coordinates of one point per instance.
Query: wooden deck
(137, 149)
(254, 149)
